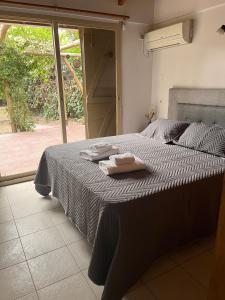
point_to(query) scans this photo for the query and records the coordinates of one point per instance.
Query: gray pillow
(205, 138)
(165, 130)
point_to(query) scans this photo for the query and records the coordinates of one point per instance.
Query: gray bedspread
(131, 219)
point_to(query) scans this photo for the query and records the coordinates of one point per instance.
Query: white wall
(136, 78)
(200, 64)
(168, 9)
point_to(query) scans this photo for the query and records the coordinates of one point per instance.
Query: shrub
(31, 78)
(21, 115)
(43, 100)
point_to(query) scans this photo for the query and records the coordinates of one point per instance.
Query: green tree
(14, 68)
(27, 75)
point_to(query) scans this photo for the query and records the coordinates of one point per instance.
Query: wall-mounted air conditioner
(177, 34)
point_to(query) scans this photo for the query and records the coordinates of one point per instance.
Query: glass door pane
(29, 118)
(71, 62)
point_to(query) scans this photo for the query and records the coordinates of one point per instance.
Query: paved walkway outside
(21, 152)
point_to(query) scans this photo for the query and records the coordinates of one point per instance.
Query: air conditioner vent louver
(177, 34)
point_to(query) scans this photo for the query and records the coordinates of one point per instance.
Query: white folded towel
(92, 155)
(110, 168)
(123, 158)
(100, 147)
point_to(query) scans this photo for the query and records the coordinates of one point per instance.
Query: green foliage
(22, 117)
(29, 38)
(14, 65)
(66, 37)
(74, 103)
(14, 68)
(31, 77)
(43, 100)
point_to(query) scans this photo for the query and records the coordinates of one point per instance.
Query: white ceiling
(169, 9)
(139, 10)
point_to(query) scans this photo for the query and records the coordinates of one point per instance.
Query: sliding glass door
(72, 77)
(40, 100)
(58, 84)
(28, 97)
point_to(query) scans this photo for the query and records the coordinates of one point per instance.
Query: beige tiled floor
(43, 256)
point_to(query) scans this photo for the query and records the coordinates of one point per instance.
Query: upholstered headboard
(201, 105)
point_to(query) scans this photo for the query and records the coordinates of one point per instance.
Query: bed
(131, 219)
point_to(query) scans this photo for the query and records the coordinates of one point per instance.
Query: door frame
(33, 18)
(54, 21)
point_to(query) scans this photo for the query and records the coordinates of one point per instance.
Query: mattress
(131, 219)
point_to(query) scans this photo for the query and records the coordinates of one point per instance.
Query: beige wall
(200, 64)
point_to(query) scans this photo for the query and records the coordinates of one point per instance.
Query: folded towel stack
(122, 159)
(100, 147)
(99, 151)
(121, 163)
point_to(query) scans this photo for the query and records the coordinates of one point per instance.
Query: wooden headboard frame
(201, 105)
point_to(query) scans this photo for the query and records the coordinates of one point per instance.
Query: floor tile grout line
(67, 243)
(5, 198)
(89, 284)
(7, 207)
(57, 281)
(193, 278)
(18, 298)
(159, 275)
(14, 222)
(50, 251)
(32, 279)
(12, 238)
(54, 224)
(26, 259)
(177, 265)
(74, 258)
(188, 259)
(41, 230)
(31, 274)
(52, 227)
(151, 292)
(13, 265)
(32, 214)
(165, 272)
(79, 270)
(82, 270)
(48, 227)
(21, 236)
(44, 210)
(34, 232)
